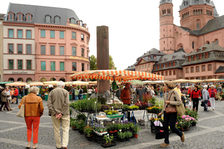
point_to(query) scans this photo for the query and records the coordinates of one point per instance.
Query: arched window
(11, 79)
(47, 19)
(73, 20)
(62, 79)
(11, 16)
(20, 79)
(28, 17)
(180, 46)
(207, 42)
(52, 79)
(57, 20)
(28, 80)
(19, 17)
(192, 44)
(216, 41)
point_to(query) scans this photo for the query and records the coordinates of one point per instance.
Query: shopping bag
(21, 111)
(209, 103)
(180, 109)
(160, 134)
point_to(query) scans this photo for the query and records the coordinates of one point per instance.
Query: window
(174, 72)
(83, 67)
(72, 20)
(48, 19)
(43, 50)
(62, 65)
(52, 66)
(19, 49)
(62, 34)
(52, 50)
(42, 33)
(192, 69)
(73, 35)
(28, 49)
(170, 72)
(203, 68)
(43, 66)
(209, 67)
(10, 48)
(74, 68)
(52, 34)
(197, 69)
(28, 17)
(73, 51)
(57, 20)
(28, 64)
(164, 11)
(82, 37)
(20, 64)
(83, 52)
(168, 11)
(11, 33)
(19, 33)
(192, 44)
(187, 70)
(62, 50)
(11, 64)
(20, 17)
(28, 34)
(11, 17)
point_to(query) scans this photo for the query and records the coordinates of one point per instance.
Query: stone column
(103, 56)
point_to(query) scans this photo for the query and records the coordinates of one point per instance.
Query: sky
(133, 24)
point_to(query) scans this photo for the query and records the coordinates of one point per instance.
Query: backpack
(212, 93)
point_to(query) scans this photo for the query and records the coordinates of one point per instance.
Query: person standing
(205, 97)
(4, 98)
(195, 95)
(58, 105)
(212, 94)
(16, 94)
(34, 109)
(170, 113)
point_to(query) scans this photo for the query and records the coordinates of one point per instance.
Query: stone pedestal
(103, 56)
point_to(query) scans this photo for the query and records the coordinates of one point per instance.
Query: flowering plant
(154, 109)
(185, 122)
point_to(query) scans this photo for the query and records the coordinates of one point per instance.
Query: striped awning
(118, 75)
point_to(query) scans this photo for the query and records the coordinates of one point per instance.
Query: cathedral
(193, 50)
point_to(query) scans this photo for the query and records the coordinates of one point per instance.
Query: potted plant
(80, 125)
(88, 131)
(108, 141)
(121, 136)
(135, 131)
(184, 123)
(128, 135)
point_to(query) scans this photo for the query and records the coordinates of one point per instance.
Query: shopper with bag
(171, 102)
(205, 98)
(33, 110)
(212, 94)
(195, 95)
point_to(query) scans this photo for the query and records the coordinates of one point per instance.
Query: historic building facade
(193, 50)
(1, 44)
(53, 41)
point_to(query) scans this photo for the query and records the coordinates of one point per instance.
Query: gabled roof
(212, 25)
(220, 69)
(39, 12)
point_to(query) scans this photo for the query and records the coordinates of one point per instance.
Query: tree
(111, 63)
(93, 65)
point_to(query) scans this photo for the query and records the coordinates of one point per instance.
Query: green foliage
(152, 101)
(86, 105)
(88, 131)
(191, 113)
(134, 107)
(111, 63)
(108, 139)
(102, 100)
(80, 125)
(100, 129)
(110, 112)
(136, 129)
(121, 135)
(93, 62)
(81, 117)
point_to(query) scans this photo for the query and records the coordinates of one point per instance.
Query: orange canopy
(118, 75)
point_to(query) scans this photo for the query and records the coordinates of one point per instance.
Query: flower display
(154, 109)
(185, 122)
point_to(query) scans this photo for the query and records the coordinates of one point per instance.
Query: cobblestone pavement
(208, 134)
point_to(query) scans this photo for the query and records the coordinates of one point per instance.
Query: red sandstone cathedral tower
(167, 44)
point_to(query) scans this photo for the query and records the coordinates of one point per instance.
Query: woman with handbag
(172, 100)
(34, 108)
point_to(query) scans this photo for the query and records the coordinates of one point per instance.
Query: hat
(170, 85)
(205, 86)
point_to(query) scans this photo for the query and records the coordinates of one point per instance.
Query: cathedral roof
(165, 1)
(187, 3)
